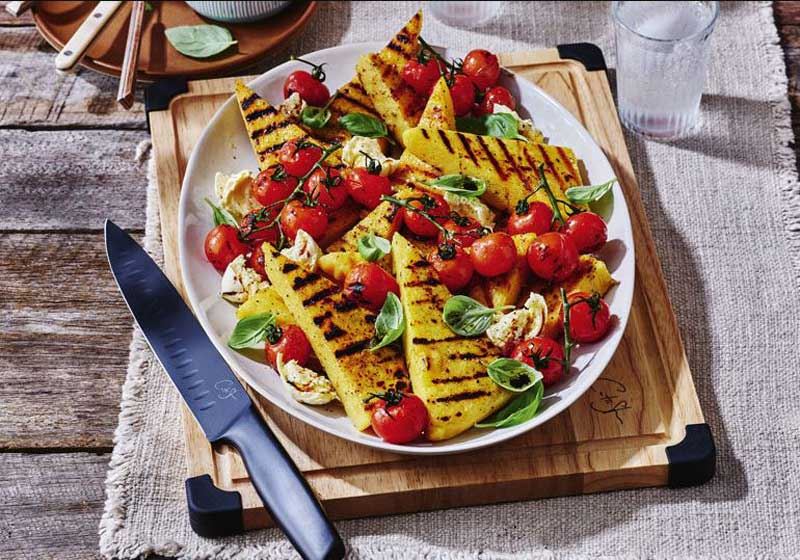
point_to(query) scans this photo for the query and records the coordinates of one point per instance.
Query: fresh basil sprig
(251, 330)
(513, 375)
(359, 124)
(463, 185)
(471, 125)
(589, 193)
(221, 216)
(519, 410)
(373, 247)
(468, 317)
(199, 41)
(499, 125)
(390, 323)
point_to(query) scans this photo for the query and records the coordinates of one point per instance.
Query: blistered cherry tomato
(482, 67)
(367, 284)
(273, 185)
(222, 245)
(399, 417)
(463, 93)
(465, 230)
(290, 342)
(494, 254)
(589, 317)
(310, 89)
(298, 158)
(259, 225)
(431, 204)
(256, 261)
(497, 95)
(543, 354)
(530, 217)
(421, 76)
(367, 188)
(296, 216)
(587, 230)
(453, 266)
(326, 186)
(553, 256)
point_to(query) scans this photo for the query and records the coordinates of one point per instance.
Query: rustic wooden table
(68, 159)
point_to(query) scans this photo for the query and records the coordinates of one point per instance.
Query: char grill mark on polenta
(500, 171)
(249, 100)
(467, 148)
(320, 295)
(299, 282)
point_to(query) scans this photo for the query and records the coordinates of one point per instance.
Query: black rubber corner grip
(158, 94)
(587, 54)
(213, 512)
(693, 461)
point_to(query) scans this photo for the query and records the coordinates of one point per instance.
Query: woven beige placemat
(724, 206)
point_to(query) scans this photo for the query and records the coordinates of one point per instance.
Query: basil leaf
(251, 330)
(464, 185)
(390, 323)
(315, 117)
(520, 410)
(590, 193)
(222, 216)
(513, 375)
(359, 124)
(199, 41)
(471, 125)
(467, 317)
(372, 247)
(503, 125)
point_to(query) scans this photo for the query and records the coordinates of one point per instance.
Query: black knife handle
(285, 493)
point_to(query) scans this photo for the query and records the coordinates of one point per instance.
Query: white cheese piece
(525, 128)
(470, 207)
(304, 251)
(240, 282)
(293, 106)
(352, 156)
(520, 324)
(306, 385)
(233, 192)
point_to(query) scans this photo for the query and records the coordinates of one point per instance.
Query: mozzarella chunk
(306, 385)
(304, 251)
(233, 192)
(293, 106)
(239, 281)
(352, 156)
(470, 207)
(520, 324)
(526, 127)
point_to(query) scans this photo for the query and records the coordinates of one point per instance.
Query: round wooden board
(58, 21)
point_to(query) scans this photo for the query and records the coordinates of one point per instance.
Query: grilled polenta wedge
(339, 223)
(337, 264)
(268, 128)
(340, 332)
(381, 75)
(350, 98)
(383, 221)
(448, 372)
(510, 167)
(265, 301)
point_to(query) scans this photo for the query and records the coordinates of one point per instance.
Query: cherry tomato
(273, 185)
(367, 284)
(589, 317)
(256, 261)
(311, 219)
(494, 254)
(299, 157)
(587, 230)
(399, 417)
(434, 206)
(289, 341)
(453, 265)
(465, 230)
(259, 225)
(498, 95)
(553, 256)
(367, 188)
(530, 217)
(327, 186)
(482, 67)
(310, 89)
(463, 93)
(421, 76)
(543, 354)
(222, 245)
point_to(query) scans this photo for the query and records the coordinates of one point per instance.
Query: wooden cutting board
(639, 425)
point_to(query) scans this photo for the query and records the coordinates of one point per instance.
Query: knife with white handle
(83, 37)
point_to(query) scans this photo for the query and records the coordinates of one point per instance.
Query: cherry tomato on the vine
(296, 216)
(463, 93)
(530, 217)
(290, 342)
(553, 256)
(399, 417)
(298, 158)
(431, 204)
(453, 265)
(493, 254)
(543, 354)
(368, 284)
(310, 89)
(222, 245)
(465, 230)
(259, 225)
(587, 230)
(482, 67)
(326, 186)
(589, 317)
(273, 185)
(421, 76)
(256, 261)
(367, 188)
(497, 95)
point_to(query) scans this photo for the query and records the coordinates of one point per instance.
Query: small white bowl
(238, 12)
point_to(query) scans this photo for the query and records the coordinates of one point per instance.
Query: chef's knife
(216, 398)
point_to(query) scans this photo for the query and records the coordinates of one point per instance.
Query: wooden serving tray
(639, 425)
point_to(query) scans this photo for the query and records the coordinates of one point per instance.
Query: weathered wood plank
(786, 13)
(50, 505)
(64, 336)
(71, 179)
(35, 95)
(7, 19)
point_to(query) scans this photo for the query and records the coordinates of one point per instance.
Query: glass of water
(464, 14)
(662, 57)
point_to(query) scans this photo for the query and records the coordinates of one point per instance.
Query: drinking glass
(662, 57)
(463, 14)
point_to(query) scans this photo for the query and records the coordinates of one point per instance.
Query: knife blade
(215, 396)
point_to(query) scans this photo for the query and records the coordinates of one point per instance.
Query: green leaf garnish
(463, 185)
(359, 124)
(199, 41)
(315, 117)
(468, 317)
(589, 193)
(390, 323)
(222, 216)
(471, 125)
(513, 375)
(373, 247)
(521, 409)
(251, 330)
(503, 125)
